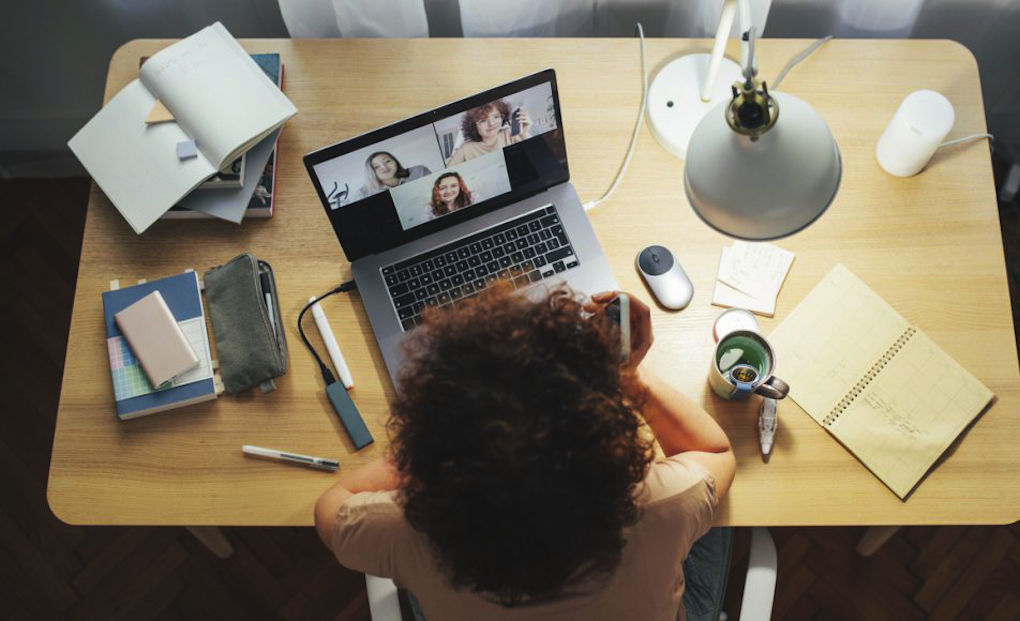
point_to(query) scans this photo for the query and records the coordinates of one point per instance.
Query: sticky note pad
(187, 149)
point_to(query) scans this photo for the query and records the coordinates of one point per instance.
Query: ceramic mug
(743, 363)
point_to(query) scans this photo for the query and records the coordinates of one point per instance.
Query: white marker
(334, 350)
(305, 460)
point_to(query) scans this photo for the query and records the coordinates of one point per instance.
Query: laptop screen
(404, 181)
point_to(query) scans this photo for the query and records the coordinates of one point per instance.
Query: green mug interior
(743, 348)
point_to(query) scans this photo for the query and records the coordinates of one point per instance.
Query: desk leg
(212, 538)
(874, 538)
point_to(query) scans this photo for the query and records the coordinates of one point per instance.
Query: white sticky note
(756, 269)
(728, 297)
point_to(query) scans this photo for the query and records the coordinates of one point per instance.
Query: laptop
(433, 209)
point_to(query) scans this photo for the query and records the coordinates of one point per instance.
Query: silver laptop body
(385, 288)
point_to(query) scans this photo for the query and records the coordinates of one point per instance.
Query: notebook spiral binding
(870, 375)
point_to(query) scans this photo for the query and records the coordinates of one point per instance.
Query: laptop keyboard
(524, 250)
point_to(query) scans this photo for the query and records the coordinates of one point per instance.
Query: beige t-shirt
(678, 501)
(470, 149)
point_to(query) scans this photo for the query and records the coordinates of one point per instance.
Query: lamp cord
(327, 375)
(817, 44)
(991, 140)
(796, 59)
(637, 126)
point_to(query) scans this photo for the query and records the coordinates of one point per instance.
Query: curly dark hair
(469, 123)
(516, 434)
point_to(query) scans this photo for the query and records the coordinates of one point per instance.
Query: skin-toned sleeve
(680, 498)
(457, 157)
(370, 535)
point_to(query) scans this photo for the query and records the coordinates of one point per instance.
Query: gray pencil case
(247, 329)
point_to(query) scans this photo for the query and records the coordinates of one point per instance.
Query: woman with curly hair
(449, 193)
(519, 484)
(488, 128)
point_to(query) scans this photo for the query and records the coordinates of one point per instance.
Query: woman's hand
(641, 336)
(525, 121)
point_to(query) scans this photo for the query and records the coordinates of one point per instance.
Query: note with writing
(726, 296)
(880, 386)
(756, 269)
(750, 276)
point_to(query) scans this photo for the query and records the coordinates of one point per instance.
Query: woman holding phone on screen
(489, 128)
(449, 193)
(383, 171)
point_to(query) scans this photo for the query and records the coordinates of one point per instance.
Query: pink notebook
(156, 339)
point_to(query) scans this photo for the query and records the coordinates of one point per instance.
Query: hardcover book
(220, 99)
(133, 393)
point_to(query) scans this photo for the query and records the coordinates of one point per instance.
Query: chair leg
(760, 583)
(874, 538)
(212, 538)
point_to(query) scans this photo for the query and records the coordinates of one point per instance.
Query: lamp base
(675, 106)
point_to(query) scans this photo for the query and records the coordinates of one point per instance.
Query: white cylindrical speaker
(915, 132)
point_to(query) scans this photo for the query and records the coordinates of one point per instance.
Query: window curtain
(987, 27)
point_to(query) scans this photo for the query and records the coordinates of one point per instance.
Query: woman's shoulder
(674, 477)
(418, 171)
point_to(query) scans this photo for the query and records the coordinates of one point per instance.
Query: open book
(884, 389)
(219, 98)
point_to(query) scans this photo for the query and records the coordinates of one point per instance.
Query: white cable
(637, 127)
(796, 59)
(990, 138)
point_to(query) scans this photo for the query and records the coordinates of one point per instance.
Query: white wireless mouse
(664, 276)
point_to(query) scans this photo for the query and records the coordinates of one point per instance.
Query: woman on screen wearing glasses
(490, 127)
(449, 193)
(383, 171)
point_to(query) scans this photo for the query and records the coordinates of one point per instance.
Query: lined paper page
(832, 339)
(910, 413)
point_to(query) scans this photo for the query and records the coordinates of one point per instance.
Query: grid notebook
(879, 385)
(133, 394)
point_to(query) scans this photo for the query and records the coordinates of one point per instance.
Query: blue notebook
(133, 393)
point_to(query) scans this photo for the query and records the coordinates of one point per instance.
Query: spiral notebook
(879, 385)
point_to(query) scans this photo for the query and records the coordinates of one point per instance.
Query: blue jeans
(705, 571)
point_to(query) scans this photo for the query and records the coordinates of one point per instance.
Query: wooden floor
(49, 570)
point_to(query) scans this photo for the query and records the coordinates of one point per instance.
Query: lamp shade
(767, 188)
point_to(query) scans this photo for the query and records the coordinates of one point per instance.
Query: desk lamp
(751, 172)
(763, 165)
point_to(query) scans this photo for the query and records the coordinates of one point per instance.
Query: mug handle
(774, 388)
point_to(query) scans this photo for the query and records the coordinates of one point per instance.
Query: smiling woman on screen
(449, 193)
(384, 171)
(490, 127)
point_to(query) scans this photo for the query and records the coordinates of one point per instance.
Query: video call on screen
(504, 148)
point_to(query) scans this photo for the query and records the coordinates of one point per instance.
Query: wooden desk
(929, 245)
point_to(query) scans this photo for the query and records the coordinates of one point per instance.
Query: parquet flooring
(50, 570)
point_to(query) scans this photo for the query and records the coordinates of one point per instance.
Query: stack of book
(158, 343)
(196, 135)
(241, 183)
